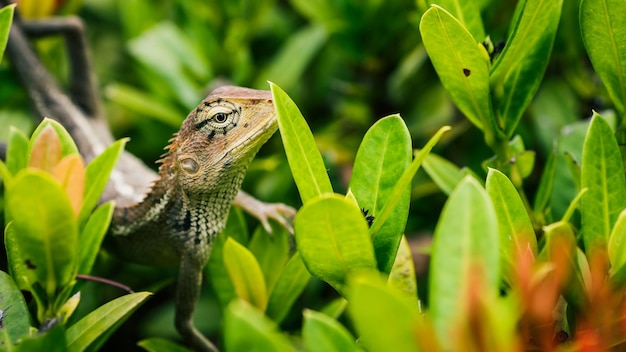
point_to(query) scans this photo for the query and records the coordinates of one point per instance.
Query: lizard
(169, 218)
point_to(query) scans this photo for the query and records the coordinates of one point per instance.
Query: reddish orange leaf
(70, 172)
(46, 152)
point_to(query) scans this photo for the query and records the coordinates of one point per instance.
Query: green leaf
(443, 172)
(289, 64)
(92, 235)
(542, 197)
(303, 156)
(53, 340)
(333, 238)
(87, 330)
(465, 247)
(372, 302)
(322, 333)
(271, 251)
(245, 274)
(247, 329)
(13, 310)
(97, 176)
(6, 17)
(17, 147)
(514, 225)
(602, 23)
(467, 13)
(384, 154)
(405, 181)
(402, 275)
(617, 244)
(156, 344)
(143, 104)
(292, 281)
(603, 174)
(43, 237)
(519, 69)
(461, 63)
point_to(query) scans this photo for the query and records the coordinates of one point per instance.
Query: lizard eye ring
(217, 118)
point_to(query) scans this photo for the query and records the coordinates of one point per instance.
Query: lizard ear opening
(189, 165)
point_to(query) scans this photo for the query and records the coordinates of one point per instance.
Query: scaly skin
(171, 218)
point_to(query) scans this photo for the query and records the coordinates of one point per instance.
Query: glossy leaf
(333, 238)
(17, 146)
(467, 13)
(603, 23)
(514, 225)
(43, 232)
(402, 275)
(465, 245)
(13, 310)
(405, 181)
(97, 176)
(303, 156)
(461, 63)
(245, 274)
(291, 283)
(53, 340)
(519, 69)
(92, 235)
(617, 244)
(444, 173)
(6, 17)
(247, 329)
(384, 154)
(603, 175)
(322, 333)
(87, 330)
(372, 302)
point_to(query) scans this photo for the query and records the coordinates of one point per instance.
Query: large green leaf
(333, 238)
(6, 17)
(156, 344)
(465, 249)
(247, 329)
(467, 13)
(461, 63)
(303, 156)
(17, 147)
(92, 235)
(519, 69)
(402, 273)
(53, 340)
(93, 325)
(43, 235)
(292, 281)
(385, 318)
(384, 154)
(515, 228)
(322, 333)
(271, 251)
(97, 176)
(245, 274)
(13, 310)
(443, 172)
(602, 174)
(617, 244)
(603, 23)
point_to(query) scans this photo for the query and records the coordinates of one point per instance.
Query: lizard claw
(264, 212)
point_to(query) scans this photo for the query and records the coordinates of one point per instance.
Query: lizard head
(219, 138)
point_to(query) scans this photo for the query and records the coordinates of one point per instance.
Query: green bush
(524, 195)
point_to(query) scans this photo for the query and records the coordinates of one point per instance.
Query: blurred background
(346, 63)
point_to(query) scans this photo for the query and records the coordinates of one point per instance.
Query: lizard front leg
(187, 292)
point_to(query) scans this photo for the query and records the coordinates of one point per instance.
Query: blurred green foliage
(347, 64)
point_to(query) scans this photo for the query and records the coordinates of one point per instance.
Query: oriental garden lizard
(169, 218)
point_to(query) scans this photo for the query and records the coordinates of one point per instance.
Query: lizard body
(170, 218)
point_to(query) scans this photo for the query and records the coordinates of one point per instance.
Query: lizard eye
(216, 118)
